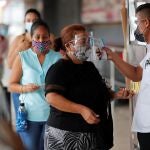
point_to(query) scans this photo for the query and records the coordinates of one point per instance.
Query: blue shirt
(34, 72)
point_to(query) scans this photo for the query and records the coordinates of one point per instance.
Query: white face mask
(80, 47)
(82, 52)
(28, 26)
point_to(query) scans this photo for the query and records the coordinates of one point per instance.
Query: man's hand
(124, 93)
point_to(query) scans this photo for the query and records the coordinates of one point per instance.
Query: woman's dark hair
(38, 23)
(32, 10)
(58, 45)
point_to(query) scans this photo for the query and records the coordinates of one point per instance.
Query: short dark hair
(145, 9)
(38, 23)
(32, 10)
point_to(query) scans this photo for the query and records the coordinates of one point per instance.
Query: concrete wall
(59, 13)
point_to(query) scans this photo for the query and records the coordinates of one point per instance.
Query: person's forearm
(63, 104)
(18, 88)
(15, 87)
(126, 69)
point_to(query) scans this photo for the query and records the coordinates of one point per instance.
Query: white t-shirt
(141, 119)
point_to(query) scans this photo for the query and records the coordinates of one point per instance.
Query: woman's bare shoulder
(19, 38)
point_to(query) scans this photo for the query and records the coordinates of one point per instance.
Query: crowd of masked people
(67, 101)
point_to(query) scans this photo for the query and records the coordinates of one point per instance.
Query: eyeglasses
(78, 40)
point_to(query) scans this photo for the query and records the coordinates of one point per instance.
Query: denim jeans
(33, 138)
(15, 98)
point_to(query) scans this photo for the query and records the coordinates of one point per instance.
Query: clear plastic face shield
(85, 47)
(82, 49)
(79, 47)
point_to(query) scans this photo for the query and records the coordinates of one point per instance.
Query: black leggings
(144, 140)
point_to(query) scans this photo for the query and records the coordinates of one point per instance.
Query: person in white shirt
(141, 119)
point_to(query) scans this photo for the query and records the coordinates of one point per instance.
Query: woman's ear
(68, 46)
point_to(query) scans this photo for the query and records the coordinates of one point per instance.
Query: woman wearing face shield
(80, 114)
(28, 78)
(141, 119)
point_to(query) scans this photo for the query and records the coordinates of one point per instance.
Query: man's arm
(131, 72)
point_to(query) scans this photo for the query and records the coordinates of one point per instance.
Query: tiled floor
(122, 127)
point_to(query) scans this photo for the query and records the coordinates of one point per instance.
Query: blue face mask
(28, 26)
